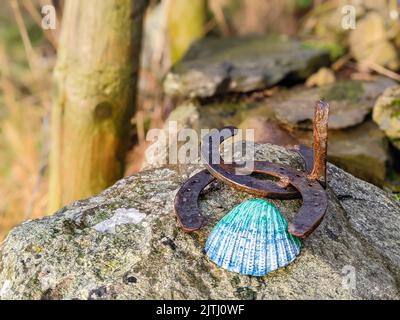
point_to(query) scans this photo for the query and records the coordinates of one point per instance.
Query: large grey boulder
(125, 243)
(215, 66)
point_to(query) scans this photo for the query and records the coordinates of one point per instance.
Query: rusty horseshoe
(291, 183)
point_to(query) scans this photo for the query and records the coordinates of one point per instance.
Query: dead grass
(24, 102)
(25, 84)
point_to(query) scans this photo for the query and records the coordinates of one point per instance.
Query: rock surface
(350, 101)
(362, 150)
(125, 243)
(216, 66)
(387, 114)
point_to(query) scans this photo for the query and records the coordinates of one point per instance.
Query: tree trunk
(186, 20)
(94, 99)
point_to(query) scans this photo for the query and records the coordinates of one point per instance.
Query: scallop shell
(252, 239)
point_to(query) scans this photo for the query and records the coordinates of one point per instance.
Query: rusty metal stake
(320, 140)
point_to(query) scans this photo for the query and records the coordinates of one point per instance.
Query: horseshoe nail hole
(298, 176)
(310, 184)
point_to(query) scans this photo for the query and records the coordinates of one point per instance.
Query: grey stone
(148, 256)
(350, 101)
(362, 150)
(215, 66)
(387, 114)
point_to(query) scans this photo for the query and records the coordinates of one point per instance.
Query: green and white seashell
(252, 239)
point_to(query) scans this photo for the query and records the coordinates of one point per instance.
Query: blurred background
(49, 75)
